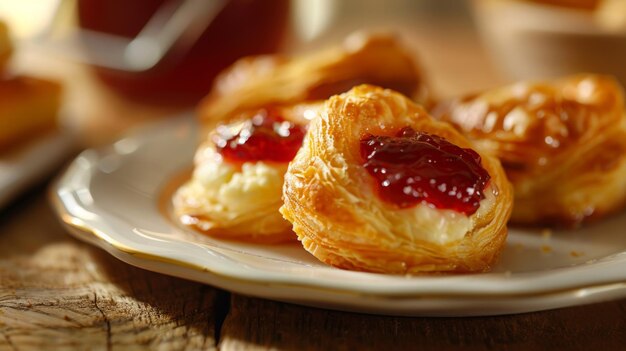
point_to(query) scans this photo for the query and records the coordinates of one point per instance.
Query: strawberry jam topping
(414, 167)
(264, 137)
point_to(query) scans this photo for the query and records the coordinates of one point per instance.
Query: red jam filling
(414, 167)
(264, 137)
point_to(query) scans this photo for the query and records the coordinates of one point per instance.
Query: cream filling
(229, 195)
(424, 222)
(438, 226)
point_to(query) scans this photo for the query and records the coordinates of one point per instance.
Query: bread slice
(28, 106)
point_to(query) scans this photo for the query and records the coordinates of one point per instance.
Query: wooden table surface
(59, 293)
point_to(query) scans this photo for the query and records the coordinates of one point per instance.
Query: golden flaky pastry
(28, 107)
(341, 218)
(562, 144)
(258, 81)
(240, 200)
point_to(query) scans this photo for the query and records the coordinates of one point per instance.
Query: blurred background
(122, 63)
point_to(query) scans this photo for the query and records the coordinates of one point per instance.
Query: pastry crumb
(575, 253)
(546, 233)
(546, 249)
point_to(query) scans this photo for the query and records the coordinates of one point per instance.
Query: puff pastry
(6, 46)
(252, 82)
(28, 106)
(240, 200)
(342, 219)
(562, 144)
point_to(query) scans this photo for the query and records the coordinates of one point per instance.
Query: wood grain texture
(56, 292)
(257, 324)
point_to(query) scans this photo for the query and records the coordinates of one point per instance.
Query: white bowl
(530, 40)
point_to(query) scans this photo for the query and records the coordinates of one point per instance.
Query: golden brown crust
(28, 106)
(6, 47)
(562, 144)
(256, 82)
(329, 197)
(237, 201)
(294, 87)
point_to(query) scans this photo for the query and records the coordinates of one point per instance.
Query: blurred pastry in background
(562, 144)
(28, 105)
(6, 47)
(254, 122)
(378, 59)
(28, 108)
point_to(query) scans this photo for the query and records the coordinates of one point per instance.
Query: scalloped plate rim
(113, 235)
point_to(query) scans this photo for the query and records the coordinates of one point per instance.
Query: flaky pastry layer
(329, 197)
(259, 81)
(294, 86)
(239, 202)
(562, 144)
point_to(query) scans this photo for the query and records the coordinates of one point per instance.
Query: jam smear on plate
(414, 167)
(264, 137)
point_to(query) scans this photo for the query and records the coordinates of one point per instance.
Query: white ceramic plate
(26, 164)
(113, 197)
